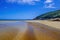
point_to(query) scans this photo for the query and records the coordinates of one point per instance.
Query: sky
(26, 9)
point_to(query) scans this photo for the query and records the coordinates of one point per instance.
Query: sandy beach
(30, 30)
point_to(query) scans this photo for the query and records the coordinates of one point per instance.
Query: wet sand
(44, 32)
(33, 31)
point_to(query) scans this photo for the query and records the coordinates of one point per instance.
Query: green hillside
(49, 15)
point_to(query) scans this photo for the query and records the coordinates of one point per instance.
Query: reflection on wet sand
(8, 34)
(44, 32)
(31, 31)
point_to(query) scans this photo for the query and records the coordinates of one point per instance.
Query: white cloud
(23, 1)
(50, 5)
(48, 1)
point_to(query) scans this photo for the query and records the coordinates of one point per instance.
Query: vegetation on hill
(49, 15)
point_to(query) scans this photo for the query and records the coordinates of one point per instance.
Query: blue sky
(26, 9)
